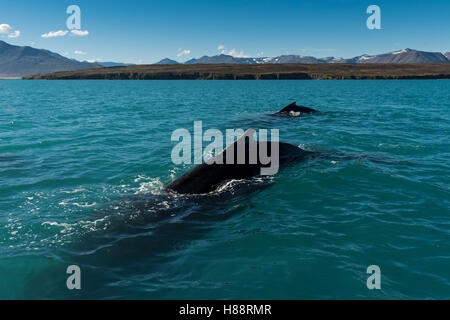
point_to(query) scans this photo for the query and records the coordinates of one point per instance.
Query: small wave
(85, 205)
(56, 224)
(148, 185)
(66, 227)
(77, 190)
(76, 204)
(231, 185)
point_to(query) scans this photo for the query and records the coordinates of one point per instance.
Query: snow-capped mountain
(404, 56)
(401, 56)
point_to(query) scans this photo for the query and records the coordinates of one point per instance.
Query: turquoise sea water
(82, 164)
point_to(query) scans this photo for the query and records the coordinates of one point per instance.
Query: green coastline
(257, 72)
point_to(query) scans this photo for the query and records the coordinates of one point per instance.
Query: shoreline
(258, 72)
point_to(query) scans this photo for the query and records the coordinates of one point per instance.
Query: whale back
(207, 177)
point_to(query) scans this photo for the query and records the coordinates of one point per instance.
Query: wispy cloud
(80, 33)
(62, 33)
(54, 34)
(6, 29)
(236, 54)
(232, 52)
(184, 52)
(79, 52)
(14, 34)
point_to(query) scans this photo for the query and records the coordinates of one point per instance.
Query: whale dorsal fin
(289, 107)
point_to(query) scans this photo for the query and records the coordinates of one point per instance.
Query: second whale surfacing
(208, 177)
(293, 110)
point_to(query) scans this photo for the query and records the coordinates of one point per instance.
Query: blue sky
(145, 31)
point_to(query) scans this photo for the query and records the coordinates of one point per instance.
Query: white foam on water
(84, 205)
(77, 190)
(149, 185)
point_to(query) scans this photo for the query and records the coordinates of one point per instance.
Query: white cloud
(80, 33)
(236, 54)
(184, 53)
(62, 33)
(14, 34)
(260, 54)
(53, 34)
(79, 52)
(5, 28)
(232, 52)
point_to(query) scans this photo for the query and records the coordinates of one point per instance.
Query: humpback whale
(208, 177)
(293, 110)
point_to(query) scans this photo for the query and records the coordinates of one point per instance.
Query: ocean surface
(83, 165)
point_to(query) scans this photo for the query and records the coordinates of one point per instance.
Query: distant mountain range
(19, 61)
(402, 56)
(167, 61)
